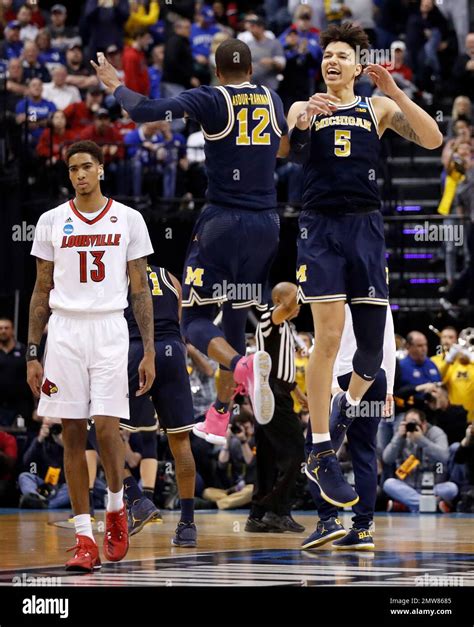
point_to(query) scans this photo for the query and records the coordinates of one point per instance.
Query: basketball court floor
(411, 550)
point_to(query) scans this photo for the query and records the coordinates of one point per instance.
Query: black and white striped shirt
(278, 341)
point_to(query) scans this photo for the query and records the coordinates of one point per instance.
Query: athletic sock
(352, 401)
(131, 490)
(91, 501)
(221, 407)
(83, 525)
(321, 442)
(149, 493)
(114, 500)
(235, 360)
(187, 510)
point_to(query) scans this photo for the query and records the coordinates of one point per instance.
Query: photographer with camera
(235, 464)
(43, 484)
(449, 417)
(462, 170)
(421, 452)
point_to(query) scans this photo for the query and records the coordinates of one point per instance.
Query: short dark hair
(91, 148)
(449, 328)
(414, 410)
(355, 36)
(462, 118)
(411, 337)
(233, 57)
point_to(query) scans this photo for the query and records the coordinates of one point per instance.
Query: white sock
(321, 437)
(114, 501)
(83, 525)
(351, 401)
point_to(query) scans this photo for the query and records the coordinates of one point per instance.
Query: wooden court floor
(408, 547)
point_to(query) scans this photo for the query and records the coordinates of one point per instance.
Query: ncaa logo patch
(113, 219)
(68, 229)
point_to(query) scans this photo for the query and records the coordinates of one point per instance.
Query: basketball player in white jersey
(87, 249)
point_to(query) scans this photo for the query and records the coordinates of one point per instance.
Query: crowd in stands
(159, 50)
(426, 447)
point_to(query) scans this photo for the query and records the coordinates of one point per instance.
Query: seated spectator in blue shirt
(416, 373)
(36, 108)
(12, 47)
(173, 158)
(32, 68)
(202, 32)
(304, 29)
(43, 484)
(143, 146)
(48, 56)
(155, 70)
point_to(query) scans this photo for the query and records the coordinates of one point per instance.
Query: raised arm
(39, 314)
(140, 108)
(142, 306)
(400, 113)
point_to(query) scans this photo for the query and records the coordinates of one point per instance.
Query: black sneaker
(256, 525)
(186, 535)
(33, 500)
(282, 523)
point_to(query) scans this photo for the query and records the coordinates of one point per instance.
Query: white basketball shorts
(85, 366)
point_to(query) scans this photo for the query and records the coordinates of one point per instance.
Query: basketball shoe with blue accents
(339, 421)
(324, 469)
(326, 531)
(355, 540)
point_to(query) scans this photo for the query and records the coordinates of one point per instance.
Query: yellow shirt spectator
(458, 377)
(301, 363)
(139, 19)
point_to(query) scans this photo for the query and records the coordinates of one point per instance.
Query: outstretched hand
(106, 72)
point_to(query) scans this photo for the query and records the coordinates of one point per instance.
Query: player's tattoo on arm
(39, 303)
(142, 304)
(401, 125)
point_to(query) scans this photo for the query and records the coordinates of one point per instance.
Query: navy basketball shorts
(170, 395)
(342, 257)
(229, 257)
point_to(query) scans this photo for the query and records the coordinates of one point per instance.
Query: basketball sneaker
(86, 556)
(142, 511)
(355, 540)
(324, 469)
(282, 523)
(214, 427)
(116, 535)
(251, 375)
(339, 421)
(326, 530)
(185, 535)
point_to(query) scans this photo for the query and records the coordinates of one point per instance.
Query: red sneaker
(214, 427)
(116, 535)
(252, 374)
(86, 555)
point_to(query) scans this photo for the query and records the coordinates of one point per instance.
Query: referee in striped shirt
(280, 443)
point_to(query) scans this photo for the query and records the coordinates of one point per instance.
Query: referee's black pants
(280, 453)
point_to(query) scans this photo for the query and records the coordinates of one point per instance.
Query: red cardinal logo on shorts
(49, 387)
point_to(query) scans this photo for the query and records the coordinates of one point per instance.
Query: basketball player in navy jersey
(341, 248)
(236, 236)
(172, 400)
